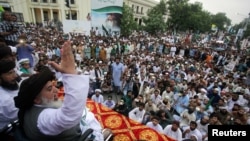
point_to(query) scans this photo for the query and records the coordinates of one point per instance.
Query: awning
(4, 4)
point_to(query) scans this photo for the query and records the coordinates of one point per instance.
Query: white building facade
(140, 8)
(42, 11)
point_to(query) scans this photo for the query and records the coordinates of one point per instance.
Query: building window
(44, 1)
(140, 21)
(141, 10)
(67, 16)
(137, 9)
(53, 1)
(45, 15)
(34, 0)
(55, 15)
(72, 2)
(74, 16)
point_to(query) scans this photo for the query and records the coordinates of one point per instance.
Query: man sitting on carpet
(173, 130)
(98, 97)
(43, 117)
(110, 103)
(154, 124)
(138, 113)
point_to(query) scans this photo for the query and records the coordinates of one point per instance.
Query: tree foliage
(154, 22)
(191, 16)
(220, 20)
(177, 13)
(127, 22)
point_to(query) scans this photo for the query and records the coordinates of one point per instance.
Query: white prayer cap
(203, 90)
(206, 98)
(223, 107)
(79, 71)
(246, 109)
(86, 73)
(98, 90)
(24, 60)
(33, 44)
(248, 121)
(13, 49)
(196, 137)
(100, 62)
(216, 89)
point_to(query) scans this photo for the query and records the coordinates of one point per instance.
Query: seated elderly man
(98, 97)
(43, 117)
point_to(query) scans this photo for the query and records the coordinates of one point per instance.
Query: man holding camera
(24, 50)
(8, 31)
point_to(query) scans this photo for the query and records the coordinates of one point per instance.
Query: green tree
(177, 13)
(127, 22)
(198, 19)
(220, 20)
(188, 16)
(154, 22)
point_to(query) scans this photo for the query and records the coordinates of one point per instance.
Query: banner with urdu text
(106, 16)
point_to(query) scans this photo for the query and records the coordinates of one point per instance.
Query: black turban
(31, 87)
(6, 66)
(5, 51)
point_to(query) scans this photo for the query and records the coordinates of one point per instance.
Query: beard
(51, 103)
(223, 112)
(203, 123)
(9, 86)
(192, 129)
(173, 129)
(234, 99)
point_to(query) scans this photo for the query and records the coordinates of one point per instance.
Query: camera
(21, 41)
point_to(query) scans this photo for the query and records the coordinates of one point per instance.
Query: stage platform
(124, 129)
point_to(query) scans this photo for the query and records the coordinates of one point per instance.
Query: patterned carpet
(123, 128)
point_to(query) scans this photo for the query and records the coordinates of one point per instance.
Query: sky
(236, 10)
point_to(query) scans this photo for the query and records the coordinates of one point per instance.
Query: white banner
(77, 26)
(98, 4)
(106, 16)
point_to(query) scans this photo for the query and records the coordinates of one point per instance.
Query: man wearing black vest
(42, 116)
(96, 77)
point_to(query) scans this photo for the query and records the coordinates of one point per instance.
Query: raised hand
(67, 64)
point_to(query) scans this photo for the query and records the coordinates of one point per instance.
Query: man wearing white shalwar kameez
(117, 72)
(154, 124)
(173, 131)
(138, 113)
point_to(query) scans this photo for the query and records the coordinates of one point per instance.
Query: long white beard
(51, 103)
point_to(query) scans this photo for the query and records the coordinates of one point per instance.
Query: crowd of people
(172, 84)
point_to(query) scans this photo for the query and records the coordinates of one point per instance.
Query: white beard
(51, 103)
